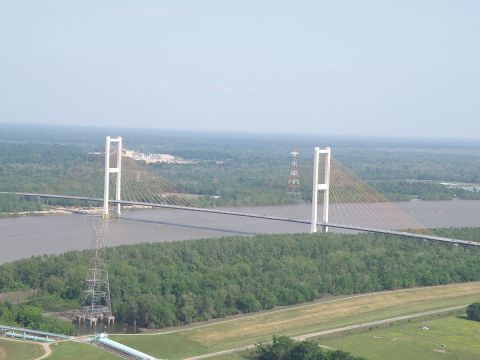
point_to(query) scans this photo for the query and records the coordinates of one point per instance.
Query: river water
(23, 237)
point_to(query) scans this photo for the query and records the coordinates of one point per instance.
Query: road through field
(338, 330)
(216, 337)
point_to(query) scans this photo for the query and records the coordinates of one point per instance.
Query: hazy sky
(399, 68)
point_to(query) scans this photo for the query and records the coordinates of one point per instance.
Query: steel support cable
(168, 190)
(126, 185)
(340, 213)
(130, 181)
(352, 196)
(153, 181)
(345, 214)
(384, 212)
(149, 175)
(386, 206)
(399, 215)
(157, 191)
(345, 192)
(340, 201)
(368, 203)
(359, 194)
(345, 196)
(142, 188)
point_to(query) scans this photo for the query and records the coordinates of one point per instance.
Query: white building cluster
(154, 158)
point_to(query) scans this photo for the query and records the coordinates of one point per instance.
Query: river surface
(23, 237)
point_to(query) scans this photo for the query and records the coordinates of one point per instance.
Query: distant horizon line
(244, 132)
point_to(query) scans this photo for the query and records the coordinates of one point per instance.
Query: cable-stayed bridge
(342, 194)
(258, 216)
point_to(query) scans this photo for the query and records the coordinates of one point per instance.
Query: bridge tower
(324, 187)
(117, 170)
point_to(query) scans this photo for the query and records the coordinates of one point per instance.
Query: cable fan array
(142, 183)
(354, 202)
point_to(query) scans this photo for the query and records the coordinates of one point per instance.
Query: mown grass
(69, 350)
(234, 333)
(460, 336)
(18, 350)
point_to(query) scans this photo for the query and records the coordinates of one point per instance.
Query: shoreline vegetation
(182, 282)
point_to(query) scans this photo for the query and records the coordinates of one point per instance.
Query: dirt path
(45, 346)
(337, 330)
(48, 351)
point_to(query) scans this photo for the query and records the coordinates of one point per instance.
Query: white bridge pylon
(324, 187)
(112, 170)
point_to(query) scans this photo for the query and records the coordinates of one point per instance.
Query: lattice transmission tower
(95, 301)
(293, 181)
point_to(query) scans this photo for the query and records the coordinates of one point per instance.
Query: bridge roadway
(256, 216)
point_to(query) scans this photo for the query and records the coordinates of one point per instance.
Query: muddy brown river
(22, 237)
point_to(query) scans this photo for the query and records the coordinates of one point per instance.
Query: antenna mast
(95, 300)
(293, 181)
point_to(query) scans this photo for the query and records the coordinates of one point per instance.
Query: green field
(18, 350)
(69, 350)
(460, 336)
(235, 333)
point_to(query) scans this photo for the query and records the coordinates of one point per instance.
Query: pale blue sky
(398, 68)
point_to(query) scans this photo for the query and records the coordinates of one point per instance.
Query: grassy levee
(18, 350)
(70, 350)
(232, 333)
(461, 338)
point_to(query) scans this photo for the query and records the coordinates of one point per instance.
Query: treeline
(46, 168)
(240, 170)
(15, 204)
(24, 315)
(407, 190)
(165, 284)
(284, 348)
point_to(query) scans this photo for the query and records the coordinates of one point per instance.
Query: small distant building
(154, 158)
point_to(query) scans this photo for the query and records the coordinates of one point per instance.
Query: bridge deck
(257, 216)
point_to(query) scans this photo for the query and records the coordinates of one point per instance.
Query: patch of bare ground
(16, 296)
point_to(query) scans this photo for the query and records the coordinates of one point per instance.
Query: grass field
(69, 350)
(460, 336)
(18, 350)
(234, 333)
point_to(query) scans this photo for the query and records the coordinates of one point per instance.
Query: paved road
(338, 330)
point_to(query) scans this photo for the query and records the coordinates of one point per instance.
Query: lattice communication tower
(293, 181)
(95, 301)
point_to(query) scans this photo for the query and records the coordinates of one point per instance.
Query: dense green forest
(182, 282)
(284, 348)
(240, 169)
(24, 315)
